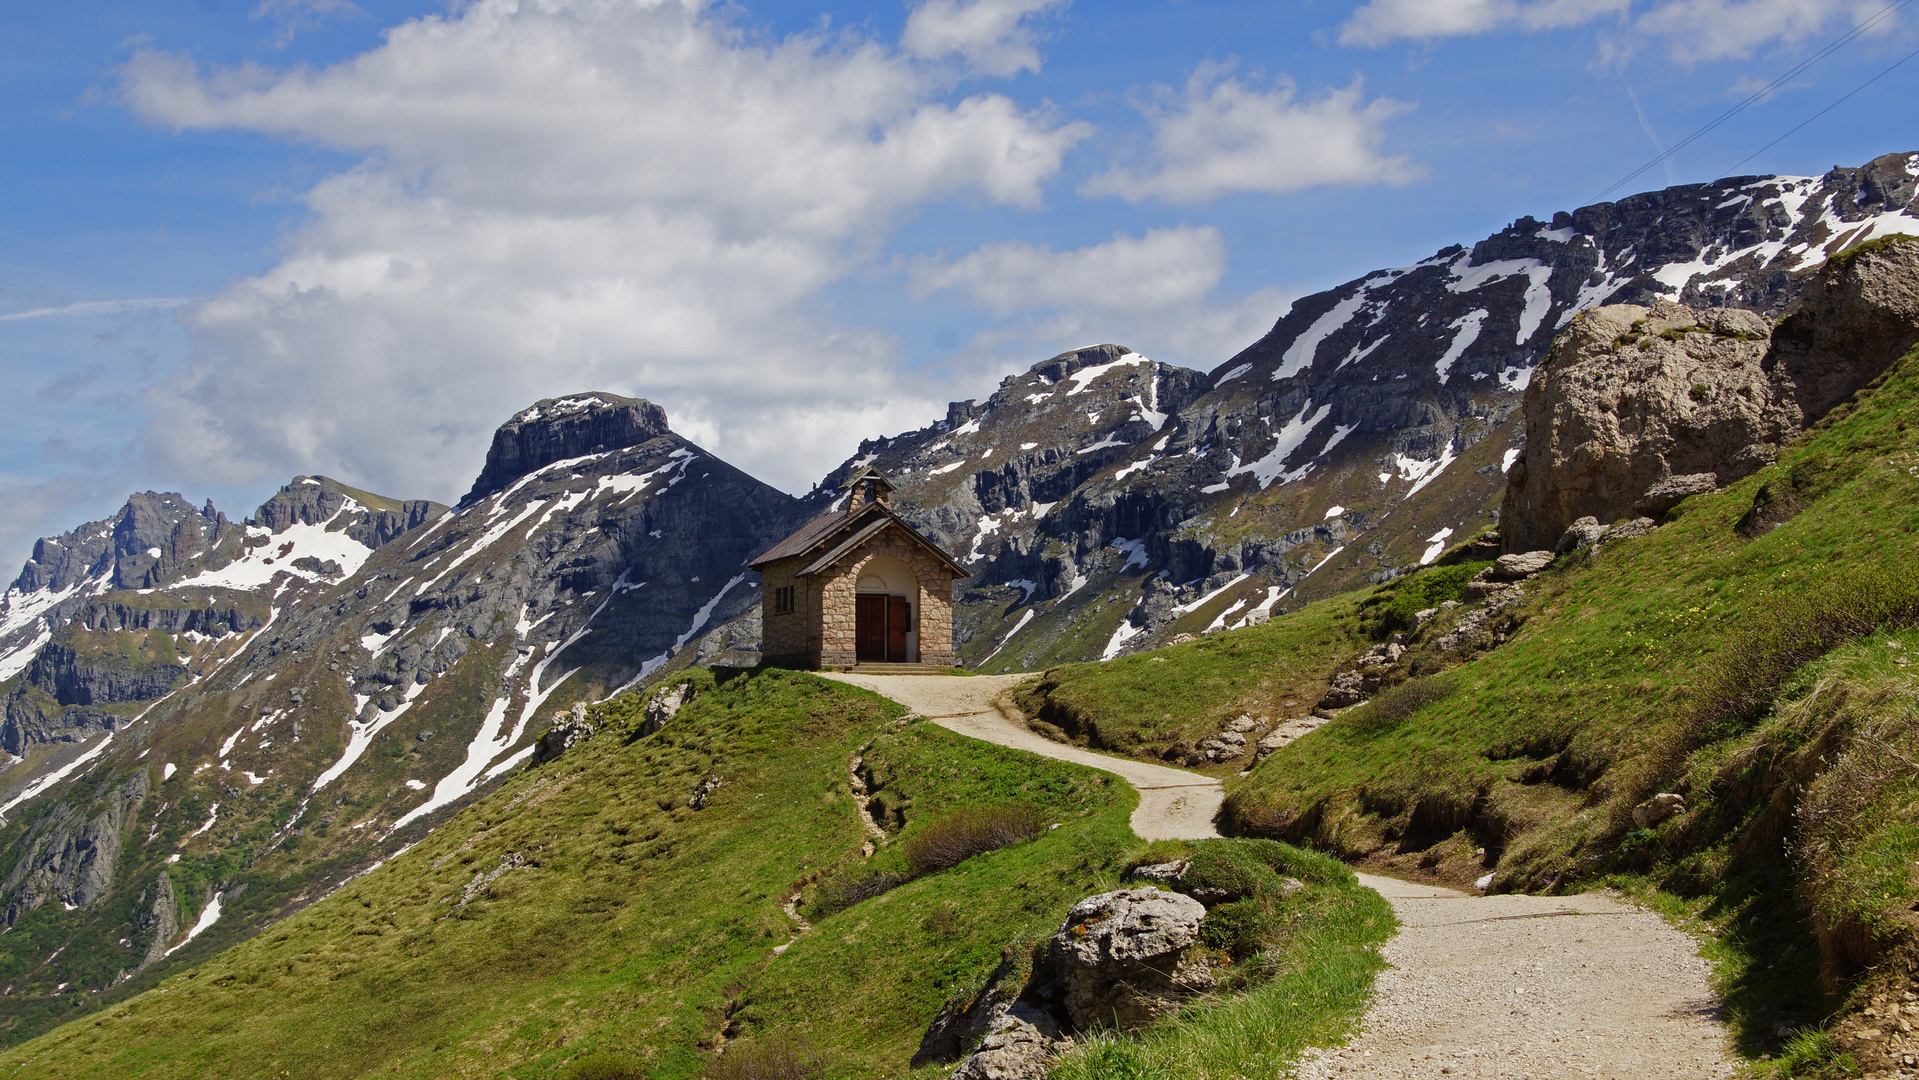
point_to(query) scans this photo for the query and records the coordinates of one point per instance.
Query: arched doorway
(885, 612)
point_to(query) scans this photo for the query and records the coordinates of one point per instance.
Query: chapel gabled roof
(831, 535)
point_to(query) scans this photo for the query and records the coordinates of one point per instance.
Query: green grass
(1151, 704)
(1306, 989)
(628, 924)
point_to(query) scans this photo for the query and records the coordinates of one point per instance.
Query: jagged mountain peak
(557, 429)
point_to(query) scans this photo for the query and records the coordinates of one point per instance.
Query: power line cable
(1843, 40)
(1820, 113)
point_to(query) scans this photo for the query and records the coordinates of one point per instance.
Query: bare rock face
(1629, 397)
(1637, 408)
(1121, 957)
(1853, 320)
(70, 858)
(1519, 565)
(557, 429)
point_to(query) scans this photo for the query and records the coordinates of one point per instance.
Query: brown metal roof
(845, 532)
(806, 537)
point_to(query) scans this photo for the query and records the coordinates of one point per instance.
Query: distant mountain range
(209, 724)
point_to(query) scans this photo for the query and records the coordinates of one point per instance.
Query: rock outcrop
(568, 731)
(559, 429)
(1639, 408)
(69, 857)
(1121, 957)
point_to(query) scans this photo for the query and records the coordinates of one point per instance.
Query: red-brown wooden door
(869, 631)
(898, 622)
(880, 627)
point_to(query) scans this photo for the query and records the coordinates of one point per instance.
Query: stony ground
(1578, 987)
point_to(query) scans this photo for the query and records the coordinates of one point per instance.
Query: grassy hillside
(586, 917)
(1754, 654)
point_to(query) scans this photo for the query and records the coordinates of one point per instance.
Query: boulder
(1631, 530)
(1348, 688)
(1020, 1044)
(1657, 809)
(1518, 565)
(1673, 490)
(1629, 396)
(1121, 957)
(1485, 590)
(1585, 532)
(1224, 746)
(665, 702)
(1163, 874)
(566, 733)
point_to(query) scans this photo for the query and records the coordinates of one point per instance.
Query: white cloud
(1695, 31)
(1689, 31)
(1380, 22)
(1222, 136)
(561, 195)
(1151, 293)
(993, 36)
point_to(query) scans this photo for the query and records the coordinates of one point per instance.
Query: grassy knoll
(1148, 703)
(585, 908)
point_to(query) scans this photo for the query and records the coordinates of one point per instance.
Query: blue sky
(252, 238)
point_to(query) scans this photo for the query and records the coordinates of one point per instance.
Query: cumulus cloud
(1220, 136)
(992, 36)
(571, 194)
(1689, 31)
(1152, 293)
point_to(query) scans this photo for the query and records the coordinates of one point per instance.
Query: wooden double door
(881, 625)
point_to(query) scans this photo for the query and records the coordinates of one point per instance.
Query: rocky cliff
(1636, 400)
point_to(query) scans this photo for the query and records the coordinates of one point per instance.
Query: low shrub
(769, 1059)
(968, 832)
(837, 892)
(1393, 705)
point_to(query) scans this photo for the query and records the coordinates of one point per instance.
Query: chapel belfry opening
(858, 586)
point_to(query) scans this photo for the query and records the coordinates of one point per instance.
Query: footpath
(1579, 987)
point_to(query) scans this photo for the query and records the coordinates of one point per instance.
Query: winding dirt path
(1173, 804)
(1550, 987)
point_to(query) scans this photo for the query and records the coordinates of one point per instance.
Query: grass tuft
(967, 832)
(769, 1059)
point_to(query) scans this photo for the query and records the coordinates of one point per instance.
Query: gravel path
(1173, 804)
(1539, 987)
(1532, 986)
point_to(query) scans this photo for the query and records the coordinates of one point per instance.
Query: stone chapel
(858, 586)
